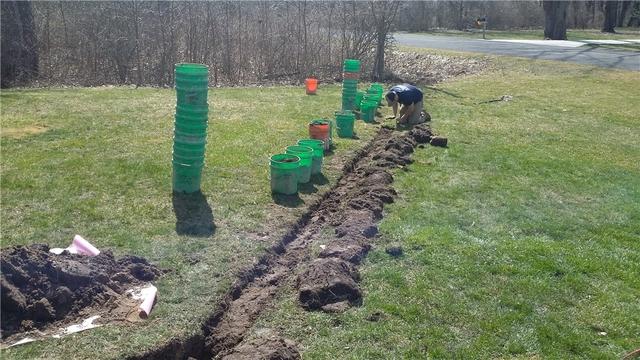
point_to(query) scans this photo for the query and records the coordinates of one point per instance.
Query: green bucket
(192, 84)
(359, 95)
(183, 150)
(348, 105)
(345, 127)
(191, 145)
(188, 159)
(368, 112)
(351, 65)
(193, 111)
(187, 138)
(186, 177)
(190, 69)
(305, 154)
(191, 121)
(191, 128)
(345, 114)
(318, 153)
(192, 97)
(284, 173)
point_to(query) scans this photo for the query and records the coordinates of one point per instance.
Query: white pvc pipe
(78, 246)
(83, 247)
(149, 297)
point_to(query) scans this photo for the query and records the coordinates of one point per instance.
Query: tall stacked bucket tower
(350, 76)
(191, 121)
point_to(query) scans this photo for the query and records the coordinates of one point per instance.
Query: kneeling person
(410, 97)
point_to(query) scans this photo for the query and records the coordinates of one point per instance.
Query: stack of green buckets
(351, 73)
(190, 134)
(370, 102)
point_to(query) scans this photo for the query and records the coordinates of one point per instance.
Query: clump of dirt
(327, 281)
(439, 141)
(353, 253)
(395, 251)
(421, 134)
(358, 223)
(39, 287)
(267, 346)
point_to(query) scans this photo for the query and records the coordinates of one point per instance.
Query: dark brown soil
(39, 287)
(395, 251)
(329, 282)
(353, 253)
(265, 347)
(439, 141)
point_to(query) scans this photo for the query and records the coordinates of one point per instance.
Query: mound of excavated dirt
(424, 68)
(327, 281)
(39, 287)
(265, 347)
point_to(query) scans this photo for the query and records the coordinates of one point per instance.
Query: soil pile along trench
(353, 208)
(42, 290)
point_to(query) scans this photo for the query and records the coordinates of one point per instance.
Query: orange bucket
(320, 131)
(311, 85)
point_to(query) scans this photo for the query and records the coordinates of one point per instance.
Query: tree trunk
(460, 20)
(383, 14)
(623, 12)
(634, 20)
(555, 19)
(610, 16)
(378, 68)
(19, 47)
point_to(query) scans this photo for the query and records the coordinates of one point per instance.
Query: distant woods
(138, 42)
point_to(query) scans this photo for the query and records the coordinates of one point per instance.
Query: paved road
(608, 58)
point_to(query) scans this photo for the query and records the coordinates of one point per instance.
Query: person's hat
(391, 96)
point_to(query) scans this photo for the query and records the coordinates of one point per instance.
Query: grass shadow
(290, 201)
(193, 214)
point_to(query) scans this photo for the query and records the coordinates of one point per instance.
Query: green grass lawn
(522, 239)
(97, 162)
(538, 34)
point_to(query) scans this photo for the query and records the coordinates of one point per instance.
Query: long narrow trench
(352, 207)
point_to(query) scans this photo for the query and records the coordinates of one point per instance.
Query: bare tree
(610, 9)
(555, 19)
(19, 46)
(383, 14)
(634, 19)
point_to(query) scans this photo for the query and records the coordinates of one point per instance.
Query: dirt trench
(352, 207)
